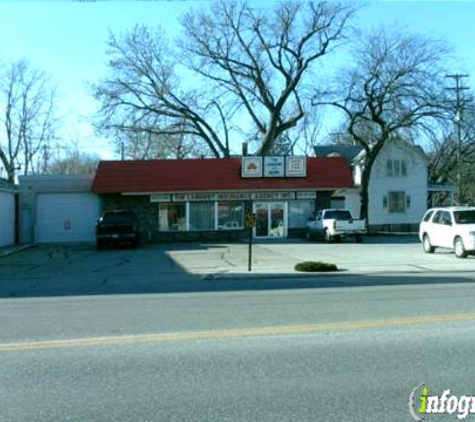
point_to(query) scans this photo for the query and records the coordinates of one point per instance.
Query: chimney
(244, 149)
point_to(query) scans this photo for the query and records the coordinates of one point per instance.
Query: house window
(230, 215)
(299, 213)
(398, 202)
(172, 217)
(202, 215)
(396, 168)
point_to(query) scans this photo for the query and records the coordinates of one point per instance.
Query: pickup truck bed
(332, 224)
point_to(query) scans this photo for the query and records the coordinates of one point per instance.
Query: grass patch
(315, 266)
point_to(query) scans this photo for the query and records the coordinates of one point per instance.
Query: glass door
(270, 219)
(276, 221)
(262, 220)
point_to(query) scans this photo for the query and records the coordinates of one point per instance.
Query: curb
(226, 275)
(14, 249)
(274, 276)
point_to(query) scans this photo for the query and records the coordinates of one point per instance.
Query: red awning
(200, 175)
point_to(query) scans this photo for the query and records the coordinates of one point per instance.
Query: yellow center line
(231, 333)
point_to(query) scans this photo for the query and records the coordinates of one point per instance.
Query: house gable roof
(348, 152)
(199, 175)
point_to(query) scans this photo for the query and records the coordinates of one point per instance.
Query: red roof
(198, 175)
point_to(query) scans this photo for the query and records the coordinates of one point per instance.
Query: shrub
(313, 266)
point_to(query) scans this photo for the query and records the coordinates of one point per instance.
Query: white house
(397, 188)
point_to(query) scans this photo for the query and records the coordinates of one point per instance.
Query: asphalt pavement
(185, 333)
(351, 354)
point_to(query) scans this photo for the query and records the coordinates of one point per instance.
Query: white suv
(449, 227)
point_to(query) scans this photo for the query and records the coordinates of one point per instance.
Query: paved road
(348, 353)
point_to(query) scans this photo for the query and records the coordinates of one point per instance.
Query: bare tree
(27, 116)
(145, 145)
(73, 162)
(443, 153)
(393, 90)
(144, 93)
(238, 64)
(261, 58)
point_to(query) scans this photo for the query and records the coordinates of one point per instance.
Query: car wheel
(99, 245)
(459, 248)
(358, 238)
(327, 236)
(428, 248)
(308, 235)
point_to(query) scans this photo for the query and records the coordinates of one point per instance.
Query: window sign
(273, 166)
(251, 167)
(296, 167)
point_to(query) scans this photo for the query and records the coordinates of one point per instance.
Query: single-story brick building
(197, 199)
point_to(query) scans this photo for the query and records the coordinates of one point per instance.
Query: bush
(313, 266)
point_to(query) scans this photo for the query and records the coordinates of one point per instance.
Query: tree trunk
(365, 180)
(365, 177)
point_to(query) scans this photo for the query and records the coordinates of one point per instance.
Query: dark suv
(117, 227)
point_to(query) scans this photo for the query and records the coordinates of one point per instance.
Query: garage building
(58, 209)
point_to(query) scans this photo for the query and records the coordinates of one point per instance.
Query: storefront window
(172, 217)
(230, 215)
(202, 216)
(299, 213)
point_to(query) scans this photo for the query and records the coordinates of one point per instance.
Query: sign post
(250, 224)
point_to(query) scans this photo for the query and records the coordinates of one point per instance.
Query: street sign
(251, 219)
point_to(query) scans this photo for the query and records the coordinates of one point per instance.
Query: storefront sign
(251, 167)
(274, 166)
(255, 167)
(296, 167)
(231, 196)
(160, 198)
(306, 195)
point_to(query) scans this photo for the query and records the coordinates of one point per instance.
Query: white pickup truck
(333, 224)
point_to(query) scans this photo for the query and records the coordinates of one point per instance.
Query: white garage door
(66, 217)
(7, 218)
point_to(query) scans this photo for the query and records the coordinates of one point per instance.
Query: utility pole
(45, 157)
(458, 88)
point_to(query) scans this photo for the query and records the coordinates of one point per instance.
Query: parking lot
(158, 267)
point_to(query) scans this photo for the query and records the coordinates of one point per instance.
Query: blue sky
(67, 40)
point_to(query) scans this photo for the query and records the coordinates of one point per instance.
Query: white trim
(187, 216)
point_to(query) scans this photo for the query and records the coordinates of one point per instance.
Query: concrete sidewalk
(228, 261)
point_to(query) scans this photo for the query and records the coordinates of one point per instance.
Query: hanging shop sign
(251, 167)
(274, 166)
(295, 166)
(256, 167)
